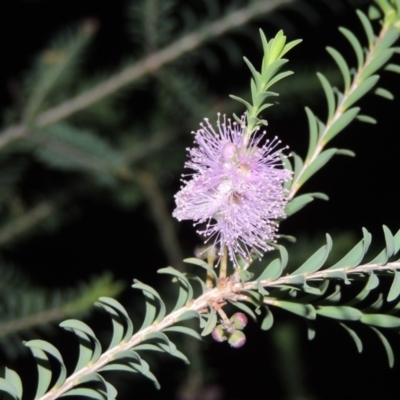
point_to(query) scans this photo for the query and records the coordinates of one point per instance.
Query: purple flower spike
(236, 189)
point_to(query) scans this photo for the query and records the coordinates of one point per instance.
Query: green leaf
(316, 165)
(211, 322)
(354, 257)
(89, 345)
(377, 62)
(245, 308)
(317, 260)
(367, 119)
(153, 303)
(85, 392)
(344, 313)
(120, 333)
(383, 257)
(301, 201)
(268, 320)
(7, 387)
(381, 320)
(14, 379)
(355, 44)
(344, 69)
(386, 345)
(189, 314)
(313, 129)
(185, 288)
(203, 264)
(334, 297)
(183, 329)
(310, 330)
(48, 348)
(393, 68)
(304, 310)
(367, 27)
(284, 256)
(354, 336)
(384, 93)
(373, 281)
(254, 72)
(240, 100)
(272, 272)
(44, 371)
(394, 291)
(330, 97)
(341, 123)
(361, 90)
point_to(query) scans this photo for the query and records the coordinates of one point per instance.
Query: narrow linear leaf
(316, 165)
(203, 264)
(344, 69)
(384, 93)
(300, 201)
(14, 379)
(354, 336)
(128, 329)
(377, 63)
(268, 320)
(311, 332)
(85, 392)
(386, 345)
(185, 330)
(367, 119)
(313, 132)
(361, 90)
(303, 310)
(394, 291)
(211, 322)
(245, 308)
(344, 313)
(341, 123)
(44, 371)
(317, 260)
(50, 349)
(369, 31)
(78, 326)
(355, 44)
(393, 68)
(330, 97)
(8, 388)
(381, 320)
(155, 307)
(354, 257)
(272, 272)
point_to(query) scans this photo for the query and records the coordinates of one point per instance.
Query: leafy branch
(340, 110)
(310, 279)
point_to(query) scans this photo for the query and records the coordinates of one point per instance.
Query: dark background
(363, 192)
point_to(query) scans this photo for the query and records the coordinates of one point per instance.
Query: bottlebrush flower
(236, 189)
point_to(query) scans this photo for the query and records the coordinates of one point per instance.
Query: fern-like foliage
(27, 309)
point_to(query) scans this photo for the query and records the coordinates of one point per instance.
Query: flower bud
(237, 339)
(218, 334)
(239, 320)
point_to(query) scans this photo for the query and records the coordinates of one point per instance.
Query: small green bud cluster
(231, 330)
